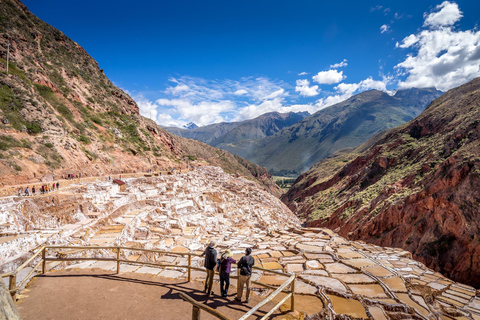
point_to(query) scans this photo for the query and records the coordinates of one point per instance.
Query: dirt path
(103, 295)
(11, 190)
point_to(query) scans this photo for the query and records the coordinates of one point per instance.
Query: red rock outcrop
(416, 187)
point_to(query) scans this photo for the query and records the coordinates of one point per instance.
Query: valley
(336, 276)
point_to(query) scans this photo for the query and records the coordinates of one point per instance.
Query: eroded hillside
(416, 187)
(60, 114)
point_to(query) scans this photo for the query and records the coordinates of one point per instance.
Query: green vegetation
(96, 120)
(49, 96)
(84, 139)
(33, 127)
(13, 69)
(191, 158)
(7, 142)
(49, 145)
(52, 157)
(284, 182)
(90, 154)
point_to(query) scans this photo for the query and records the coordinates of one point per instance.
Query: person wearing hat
(245, 266)
(225, 267)
(210, 262)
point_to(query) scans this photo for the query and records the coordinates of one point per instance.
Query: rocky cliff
(416, 187)
(60, 114)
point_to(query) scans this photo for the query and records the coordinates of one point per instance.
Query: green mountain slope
(344, 125)
(219, 134)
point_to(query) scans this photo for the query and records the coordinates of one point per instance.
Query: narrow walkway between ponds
(98, 294)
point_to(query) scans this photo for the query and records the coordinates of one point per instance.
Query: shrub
(84, 139)
(96, 120)
(33, 127)
(17, 167)
(49, 145)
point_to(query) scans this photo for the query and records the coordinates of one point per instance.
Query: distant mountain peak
(190, 126)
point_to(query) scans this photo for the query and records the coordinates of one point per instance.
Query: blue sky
(212, 61)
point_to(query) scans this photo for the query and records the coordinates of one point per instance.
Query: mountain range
(224, 133)
(60, 114)
(416, 186)
(288, 144)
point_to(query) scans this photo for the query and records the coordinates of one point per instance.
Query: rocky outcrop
(416, 187)
(8, 311)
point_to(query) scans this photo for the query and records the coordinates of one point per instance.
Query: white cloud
(407, 41)
(303, 87)
(339, 65)
(240, 92)
(303, 73)
(346, 90)
(277, 104)
(275, 94)
(147, 108)
(442, 57)
(384, 28)
(202, 113)
(205, 101)
(446, 15)
(329, 77)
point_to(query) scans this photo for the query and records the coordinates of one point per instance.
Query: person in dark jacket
(210, 262)
(245, 266)
(225, 267)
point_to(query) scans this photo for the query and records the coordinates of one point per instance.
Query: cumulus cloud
(147, 108)
(329, 77)
(339, 65)
(407, 41)
(446, 15)
(346, 90)
(240, 92)
(303, 73)
(303, 87)
(254, 110)
(210, 101)
(443, 57)
(384, 28)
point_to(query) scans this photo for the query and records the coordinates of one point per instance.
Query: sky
(212, 61)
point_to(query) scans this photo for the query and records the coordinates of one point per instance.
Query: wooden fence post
(44, 262)
(12, 283)
(189, 267)
(118, 260)
(196, 313)
(292, 298)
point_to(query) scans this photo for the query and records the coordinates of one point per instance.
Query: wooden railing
(14, 288)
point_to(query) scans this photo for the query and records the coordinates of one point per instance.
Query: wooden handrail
(206, 308)
(196, 306)
(268, 299)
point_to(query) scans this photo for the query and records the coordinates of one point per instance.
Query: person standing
(57, 185)
(225, 268)
(33, 190)
(27, 193)
(245, 266)
(210, 262)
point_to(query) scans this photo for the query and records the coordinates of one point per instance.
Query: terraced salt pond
(180, 213)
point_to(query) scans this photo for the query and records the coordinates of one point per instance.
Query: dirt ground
(104, 295)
